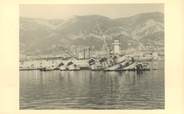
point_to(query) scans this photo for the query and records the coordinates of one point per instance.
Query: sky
(58, 11)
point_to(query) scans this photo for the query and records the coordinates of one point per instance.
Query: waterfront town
(110, 58)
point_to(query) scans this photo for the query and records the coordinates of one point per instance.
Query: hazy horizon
(64, 12)
(83, 15)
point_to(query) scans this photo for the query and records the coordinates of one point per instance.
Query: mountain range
(51, 36)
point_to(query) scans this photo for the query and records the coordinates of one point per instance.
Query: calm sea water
(91, 90)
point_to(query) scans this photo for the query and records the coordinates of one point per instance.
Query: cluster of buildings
(81, 56)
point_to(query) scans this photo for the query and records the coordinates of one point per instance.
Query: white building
(116, 46)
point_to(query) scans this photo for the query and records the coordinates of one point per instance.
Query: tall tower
(116, 45)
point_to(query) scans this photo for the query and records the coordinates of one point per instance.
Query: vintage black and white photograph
(91, 56)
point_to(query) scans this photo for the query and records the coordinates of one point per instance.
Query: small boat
(72, 67)
(123, 62)
(137, 66)
(130, 67)
(95, 65)
(145, 66)
(50, 68)
(61, 66)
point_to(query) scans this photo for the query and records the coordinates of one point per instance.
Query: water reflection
(91, 90)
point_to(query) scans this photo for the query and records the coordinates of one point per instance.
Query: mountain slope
(40, 36)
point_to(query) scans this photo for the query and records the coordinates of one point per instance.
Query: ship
(72, 66)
